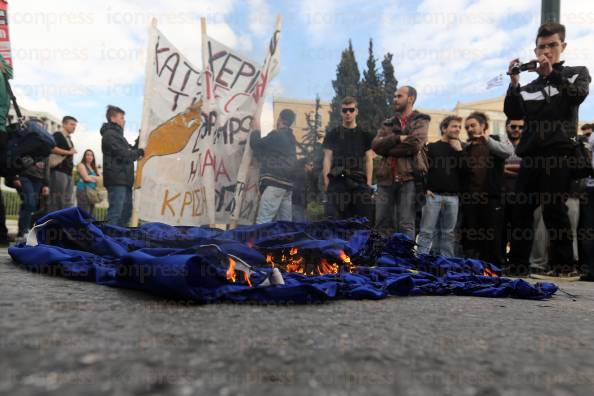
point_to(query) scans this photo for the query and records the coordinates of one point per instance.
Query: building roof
(492, 104)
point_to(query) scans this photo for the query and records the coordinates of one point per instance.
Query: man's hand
(255, 124)
(45, 191)
(515, 78)
(402, 138)
(456, 144)
(72, 151)
(545, 67)
(430, 194)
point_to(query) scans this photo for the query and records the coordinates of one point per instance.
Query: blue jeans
(120, 205)
(275, 203)
(30, 190)
(440, 214)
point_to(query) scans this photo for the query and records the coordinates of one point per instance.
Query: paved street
(61, 337)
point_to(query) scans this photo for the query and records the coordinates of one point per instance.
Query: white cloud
(446, 47)
(453, 48)
(96, 43)
(260, 17)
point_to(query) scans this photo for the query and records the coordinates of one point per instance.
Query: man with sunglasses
(549, 105)
(348, 167)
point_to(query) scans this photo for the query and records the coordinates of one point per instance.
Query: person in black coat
(277, 153)
(118, 167)
(549, 105)
(482, 209)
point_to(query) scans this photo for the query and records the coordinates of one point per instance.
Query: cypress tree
(346, 83)
(372, 104)
(390, 84)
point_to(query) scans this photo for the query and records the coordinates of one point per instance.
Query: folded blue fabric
(195, 263)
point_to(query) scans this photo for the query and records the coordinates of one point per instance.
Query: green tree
(310, 146)
(390, 84)
(346, 83)
(372, 102)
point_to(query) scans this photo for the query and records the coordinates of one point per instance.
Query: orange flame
(269, 260)
(232, 273)
(296, 263)
(247, 279)
(488, 272)
(231, 276)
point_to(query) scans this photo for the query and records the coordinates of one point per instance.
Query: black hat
(288, 116)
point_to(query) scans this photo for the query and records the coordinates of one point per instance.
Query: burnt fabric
(192, 263)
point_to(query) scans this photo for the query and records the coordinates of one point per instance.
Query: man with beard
(440, 212)
(401, 143)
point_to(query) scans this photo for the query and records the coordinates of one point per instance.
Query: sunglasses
(514, 127)
(348, 110)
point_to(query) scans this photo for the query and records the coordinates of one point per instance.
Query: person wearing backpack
(61, 165)
(88, 177)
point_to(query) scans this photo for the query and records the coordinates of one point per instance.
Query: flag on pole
(495, 82)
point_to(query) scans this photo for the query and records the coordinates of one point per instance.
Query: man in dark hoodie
(277, 153)
(401, 143)
(550, 106)
(118, 167)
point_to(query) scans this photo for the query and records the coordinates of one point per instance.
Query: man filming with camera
(549, 105)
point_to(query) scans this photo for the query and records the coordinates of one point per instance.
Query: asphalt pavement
(62, 337)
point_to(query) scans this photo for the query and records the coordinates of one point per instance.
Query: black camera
(518, 68)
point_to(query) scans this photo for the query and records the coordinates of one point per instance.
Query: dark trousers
(546, 181)
(586, 232)
(3, 229)
(345, 201)
(29, 191)
(482, 228)
(506, 230)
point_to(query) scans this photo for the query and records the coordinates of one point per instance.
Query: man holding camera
(549, 105)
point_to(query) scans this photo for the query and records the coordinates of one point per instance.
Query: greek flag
(495, 82)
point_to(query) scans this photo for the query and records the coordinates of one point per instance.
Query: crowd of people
(523, 201)
(49, 185)
(517, 200)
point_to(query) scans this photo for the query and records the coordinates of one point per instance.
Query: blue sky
(75, 57)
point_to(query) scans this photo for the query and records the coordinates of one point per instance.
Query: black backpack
(26, 143)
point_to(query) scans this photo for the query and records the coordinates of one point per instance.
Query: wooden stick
(150, 54)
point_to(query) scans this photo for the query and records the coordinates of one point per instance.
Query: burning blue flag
(280, 262)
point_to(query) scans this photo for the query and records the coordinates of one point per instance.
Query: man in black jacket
(277, 153)
(118, 167)
(550, 107)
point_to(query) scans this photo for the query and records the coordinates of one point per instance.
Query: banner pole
(143, 134)
(246, 159)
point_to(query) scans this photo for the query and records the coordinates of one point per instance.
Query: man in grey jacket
(118, 167)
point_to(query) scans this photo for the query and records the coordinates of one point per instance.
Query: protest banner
(173, 183)
(195, 130)
(243, 194)
(234, 89)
